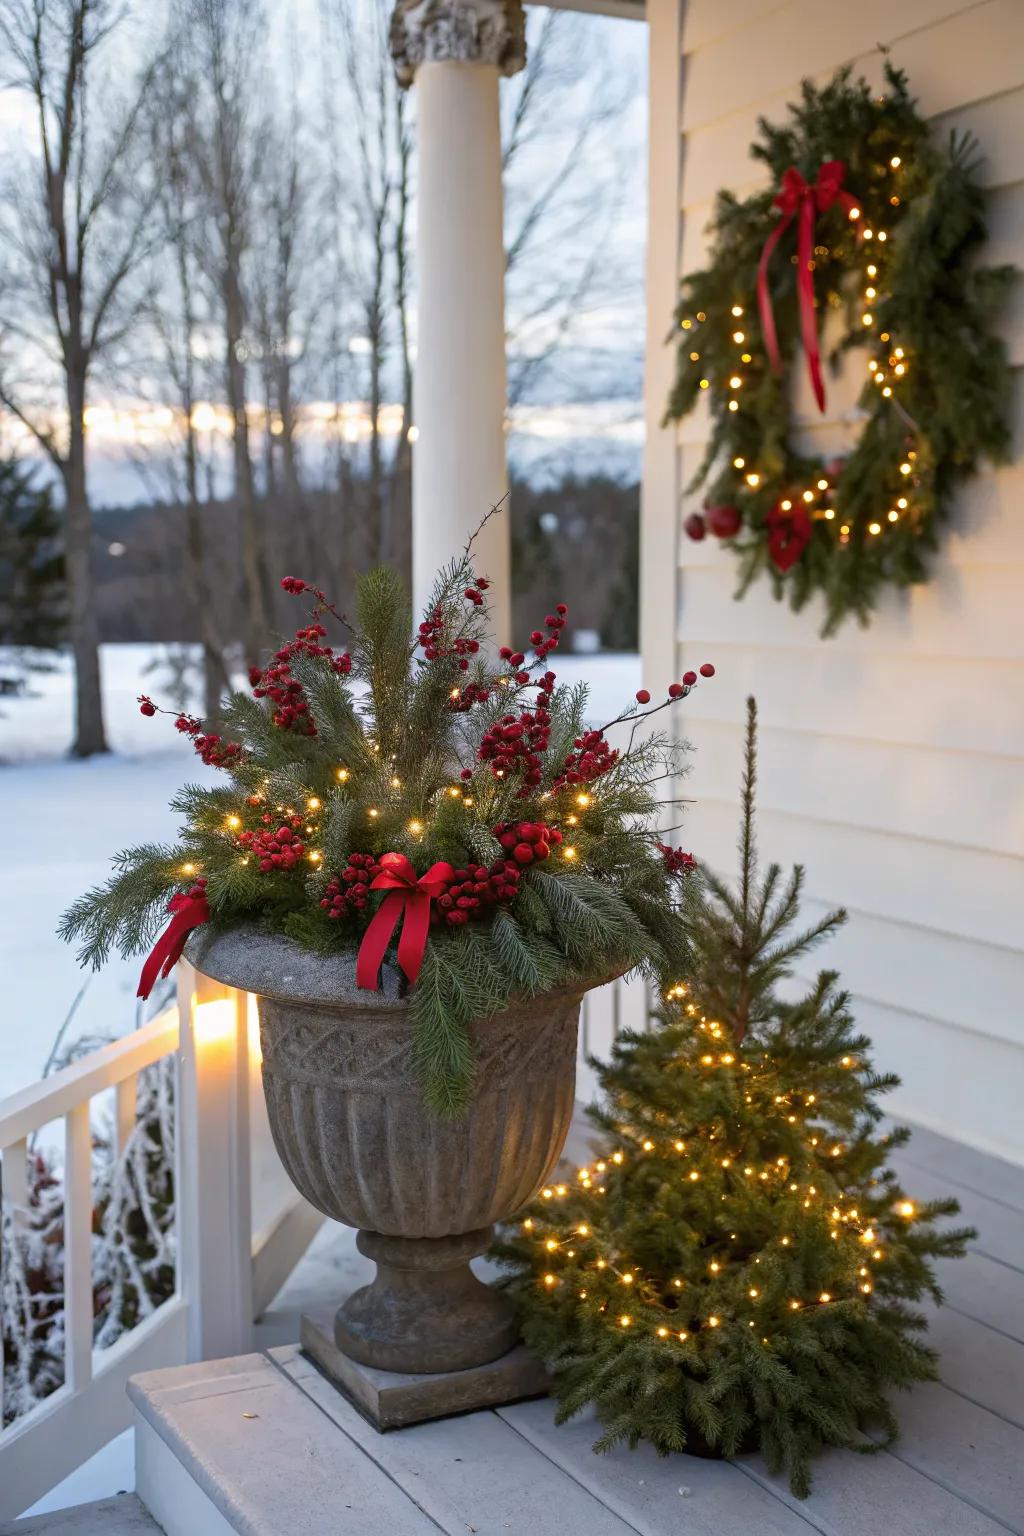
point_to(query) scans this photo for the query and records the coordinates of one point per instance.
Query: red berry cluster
(350, 891)
(527, 841)
(213, 749)
(462, 699)
(146, 705)
(473, 594)
(676, 861)
(474, 889)
(591, 756)
(514, 745)
(276, 682)
(197, 889)
(275, 850)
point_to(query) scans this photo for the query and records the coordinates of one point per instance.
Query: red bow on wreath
(799, 197)
(407, 898)
(190, 911)
(789, 534)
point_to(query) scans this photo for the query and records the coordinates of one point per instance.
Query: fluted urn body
(347, 1115)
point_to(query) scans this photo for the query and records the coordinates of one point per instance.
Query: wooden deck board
(659, 1496)
(861, 1496)
(471, 1473)
(1000, 1226)
(990, 1292)
(964, 1167)
(966, 1449)
(984, 1366)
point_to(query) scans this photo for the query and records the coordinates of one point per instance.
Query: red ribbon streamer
(406, 896)
(799, 197)
(190, 912)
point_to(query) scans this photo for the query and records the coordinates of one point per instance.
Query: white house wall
(890, 757)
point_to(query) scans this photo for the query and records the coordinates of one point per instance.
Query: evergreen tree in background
(739, 1268)
(32, 589)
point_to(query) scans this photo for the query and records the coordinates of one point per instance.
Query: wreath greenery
(896, 260)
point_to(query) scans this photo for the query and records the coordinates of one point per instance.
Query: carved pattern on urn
(470, 31)
(346, 1111)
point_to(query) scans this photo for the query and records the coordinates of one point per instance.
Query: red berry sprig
(542, 644)
(529, 842)
(349, 891)
(213, 749)
(676, 861)
(274, 850)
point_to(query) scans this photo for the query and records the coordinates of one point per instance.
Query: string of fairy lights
(416, 828)
(888, 371)
(640, 1310)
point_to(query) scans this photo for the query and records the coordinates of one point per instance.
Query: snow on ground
(64, 819)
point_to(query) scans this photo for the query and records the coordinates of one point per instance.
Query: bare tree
(223, 43)
(176, 322)
(74, 233)
(565, 179)
(371, 134)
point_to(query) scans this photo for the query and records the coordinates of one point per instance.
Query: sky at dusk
(583, 410)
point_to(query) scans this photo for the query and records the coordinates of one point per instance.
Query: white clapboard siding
(892, 758)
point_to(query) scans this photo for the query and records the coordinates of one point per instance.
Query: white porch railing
(229, 1266)
(240, 1226)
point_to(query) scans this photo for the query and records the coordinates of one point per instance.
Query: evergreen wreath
(889, 225)
(468, 770)
(737, 1267)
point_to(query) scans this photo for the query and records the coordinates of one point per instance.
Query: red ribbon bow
(800, 197)
(408, 896)
(190, 912)
(789, 534)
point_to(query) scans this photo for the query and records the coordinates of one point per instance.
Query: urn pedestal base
(392, 1399)
(425, 1310)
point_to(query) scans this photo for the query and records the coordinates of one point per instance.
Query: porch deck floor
(958, 1466)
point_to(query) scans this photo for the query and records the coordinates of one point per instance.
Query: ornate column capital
(474, 31)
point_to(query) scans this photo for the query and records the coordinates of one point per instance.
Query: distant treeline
(574, 542)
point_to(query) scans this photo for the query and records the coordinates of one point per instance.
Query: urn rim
(271, 965)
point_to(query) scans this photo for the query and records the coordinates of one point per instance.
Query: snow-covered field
(63, 820)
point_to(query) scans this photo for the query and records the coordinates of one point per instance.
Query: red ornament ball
(694, 526)
(723, 522)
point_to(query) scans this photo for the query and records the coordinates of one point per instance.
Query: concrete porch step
(123, 1515)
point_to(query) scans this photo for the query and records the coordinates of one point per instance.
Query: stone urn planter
(348, 1120)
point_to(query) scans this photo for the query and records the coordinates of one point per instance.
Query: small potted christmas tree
(422, 857)
(738, 1268)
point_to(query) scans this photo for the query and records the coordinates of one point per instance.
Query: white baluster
(126, 1104)
(14, 1175)
(78, 1313)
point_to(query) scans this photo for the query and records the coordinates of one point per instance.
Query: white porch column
(455, 51)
